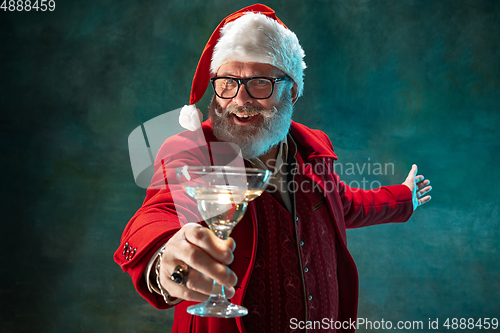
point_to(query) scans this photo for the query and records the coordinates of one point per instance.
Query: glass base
(217, 306)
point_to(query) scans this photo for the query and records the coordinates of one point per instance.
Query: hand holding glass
(222, 194)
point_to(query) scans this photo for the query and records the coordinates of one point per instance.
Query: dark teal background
(393, 81)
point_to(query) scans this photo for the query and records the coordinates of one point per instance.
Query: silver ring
(180, 274)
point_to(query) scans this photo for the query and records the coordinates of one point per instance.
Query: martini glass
(222, 194)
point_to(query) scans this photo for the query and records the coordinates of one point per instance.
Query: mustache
(247, 109)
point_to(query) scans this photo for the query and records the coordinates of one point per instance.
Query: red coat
(158, 219)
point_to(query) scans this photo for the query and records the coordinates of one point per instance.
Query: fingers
(421, 178)
(410, 179)
(424, 200)
(423, 186)
(231, 243)
(203, 262)
(422, 193)
(205, 239)
(197, 287)
(419, 186)
(412, 173)
(208, 256)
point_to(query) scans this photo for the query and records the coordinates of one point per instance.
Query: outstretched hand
(419, 186)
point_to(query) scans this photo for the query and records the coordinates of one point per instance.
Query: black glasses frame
(245, 81)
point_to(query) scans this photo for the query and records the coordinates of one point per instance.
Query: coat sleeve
(164, 211)
(152, 226)
(369, 207)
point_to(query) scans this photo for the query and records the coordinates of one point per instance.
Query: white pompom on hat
(252, 34)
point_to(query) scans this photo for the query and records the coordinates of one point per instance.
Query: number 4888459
(471, 323)
(28, 5)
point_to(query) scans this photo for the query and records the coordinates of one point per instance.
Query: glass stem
(217, 289)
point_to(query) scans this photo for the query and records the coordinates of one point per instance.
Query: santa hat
(252, 34)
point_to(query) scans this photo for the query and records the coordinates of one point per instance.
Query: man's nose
(242, 97)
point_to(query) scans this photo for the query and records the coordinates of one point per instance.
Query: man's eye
(261, 82)
(230, 81)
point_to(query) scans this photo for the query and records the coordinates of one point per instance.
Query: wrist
(159, 288)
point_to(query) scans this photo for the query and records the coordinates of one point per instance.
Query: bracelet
(166, 296)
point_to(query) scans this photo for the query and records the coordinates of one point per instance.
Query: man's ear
(295, 94)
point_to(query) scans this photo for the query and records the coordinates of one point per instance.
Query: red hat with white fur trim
(252, 34)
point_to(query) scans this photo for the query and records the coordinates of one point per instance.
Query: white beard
(253, 140)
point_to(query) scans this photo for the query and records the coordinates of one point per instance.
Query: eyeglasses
(256, 87)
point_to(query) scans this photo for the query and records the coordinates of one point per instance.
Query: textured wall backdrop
(391, 81)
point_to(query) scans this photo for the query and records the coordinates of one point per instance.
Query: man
(292, 263)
